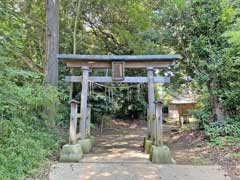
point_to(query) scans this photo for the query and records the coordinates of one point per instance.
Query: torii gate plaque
(118, 63)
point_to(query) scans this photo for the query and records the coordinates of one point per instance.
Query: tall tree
(52, 39)
(196, 29)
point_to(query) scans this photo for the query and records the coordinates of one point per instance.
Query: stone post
(160, 154)
(159, 123)
(73, 122)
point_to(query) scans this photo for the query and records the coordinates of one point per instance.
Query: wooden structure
(180, 105)
(74, 116)
(118, 63)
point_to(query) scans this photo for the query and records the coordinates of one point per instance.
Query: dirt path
(190, 147)
(118, 154)
(119, 145)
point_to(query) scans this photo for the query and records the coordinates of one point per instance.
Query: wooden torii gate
(118, 64)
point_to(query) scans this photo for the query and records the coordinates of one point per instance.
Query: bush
(27, 137)
(203, 115)
(231, 127)
(23, 149)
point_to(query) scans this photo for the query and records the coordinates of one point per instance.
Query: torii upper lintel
(131, 61)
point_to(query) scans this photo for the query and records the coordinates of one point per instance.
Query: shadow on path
(118, 155)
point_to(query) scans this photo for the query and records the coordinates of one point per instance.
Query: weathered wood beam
(131, 61)
(151, 99)
(84, 98)
(128, 64)
(157, 57)
(102, 79)
(88, 122)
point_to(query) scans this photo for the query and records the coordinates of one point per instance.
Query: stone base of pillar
(161, 155)
(147, 146)
(93, 140)
(86, 145)
(71, 153)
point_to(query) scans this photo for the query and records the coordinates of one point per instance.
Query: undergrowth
(23, 148)
(27, 136)
(224, 134)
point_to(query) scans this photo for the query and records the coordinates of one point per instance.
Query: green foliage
(202, 115)
(225, 141)
(108, 27)
(23, 148)
(22, 32)
(221, 134)
(215, 129)
(26, 135)
(205, 33)
(124, 102)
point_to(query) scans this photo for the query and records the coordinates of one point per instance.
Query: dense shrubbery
(26, 135)
(230, 127)
(205, 33)
(24, 147)
(119, 103)
(199, 30)
(224, 134)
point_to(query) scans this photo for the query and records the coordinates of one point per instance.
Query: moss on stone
(71, 153)
(161, 155)
(93, 140)
(147, 146)
(86, 145)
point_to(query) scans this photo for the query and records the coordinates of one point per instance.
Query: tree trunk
(52, 38)
(220, 116)
(216, 107)
(51, 67)
(75, 27)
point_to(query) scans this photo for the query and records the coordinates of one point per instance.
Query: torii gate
(118, 63)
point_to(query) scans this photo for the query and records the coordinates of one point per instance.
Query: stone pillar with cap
(160, 154)
(73, 121)
(159, 123)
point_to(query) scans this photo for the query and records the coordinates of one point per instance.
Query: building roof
(183, 99)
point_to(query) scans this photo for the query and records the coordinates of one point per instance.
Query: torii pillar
(84, 98)
(151, 100)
